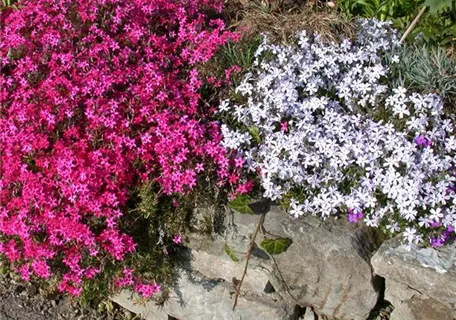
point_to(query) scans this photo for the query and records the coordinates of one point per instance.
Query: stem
(412, 25)
(284, 284)
(249, 253)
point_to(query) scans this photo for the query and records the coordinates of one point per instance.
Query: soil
(21, 301)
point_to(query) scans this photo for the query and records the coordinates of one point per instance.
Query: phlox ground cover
(99, 97)
(329, 135)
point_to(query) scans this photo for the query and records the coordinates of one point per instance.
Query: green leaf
(276, 246)
(241, 204)
(437, 5)
(255, 133)
(230, 253)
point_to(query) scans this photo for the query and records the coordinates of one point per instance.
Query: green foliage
(379, 9)
(240, 53)
(276, 246)
(425, 69)
(436, 26)
(241, 204)
(231, 253)
(255, 133)
(9, 4)
(148, 200)
(438, 5)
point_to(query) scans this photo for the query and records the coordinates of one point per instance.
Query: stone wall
(421, 284)
(326, 272)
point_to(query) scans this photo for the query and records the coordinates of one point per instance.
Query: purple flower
(437, 242)
(355, 215)
(421, 140)
(435, 224)
(448, 234)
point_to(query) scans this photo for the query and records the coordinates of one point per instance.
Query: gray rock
(418, 280)
(327, 265)
(221, 266)
(309, 315)
(326, 268)
(209, 257)
(32, 290)
(414, 305)
(198, 297)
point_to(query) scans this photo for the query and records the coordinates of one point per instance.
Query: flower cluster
(98, 97)
(333, 136)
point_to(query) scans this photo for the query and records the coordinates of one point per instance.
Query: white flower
(224, 106)
(371, 221)
(436, 214)
(410, 234)
(450, 144)
(424, 222)
(336, 153)
(393, 228)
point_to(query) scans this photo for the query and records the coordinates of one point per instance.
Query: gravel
(21, 301)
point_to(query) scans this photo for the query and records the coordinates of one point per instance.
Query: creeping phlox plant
(99, 97)
(328, 135)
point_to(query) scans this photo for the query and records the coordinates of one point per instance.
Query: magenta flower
(284, 126)
(435, 224)
(96, 87)
(147, 290)
(177, 239)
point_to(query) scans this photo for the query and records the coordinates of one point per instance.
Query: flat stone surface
(411, 304)
(209, 257)
(327, 265)
(198, 297)
(221, 266)
(426, 272)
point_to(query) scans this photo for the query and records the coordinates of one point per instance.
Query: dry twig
(249, 253)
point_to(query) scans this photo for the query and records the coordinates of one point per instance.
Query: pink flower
(41, 269)
(91, 113)
(199, 167)
(238, 162)
(177, 239)
(147, 290)
(126, 279)
(25, 272)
